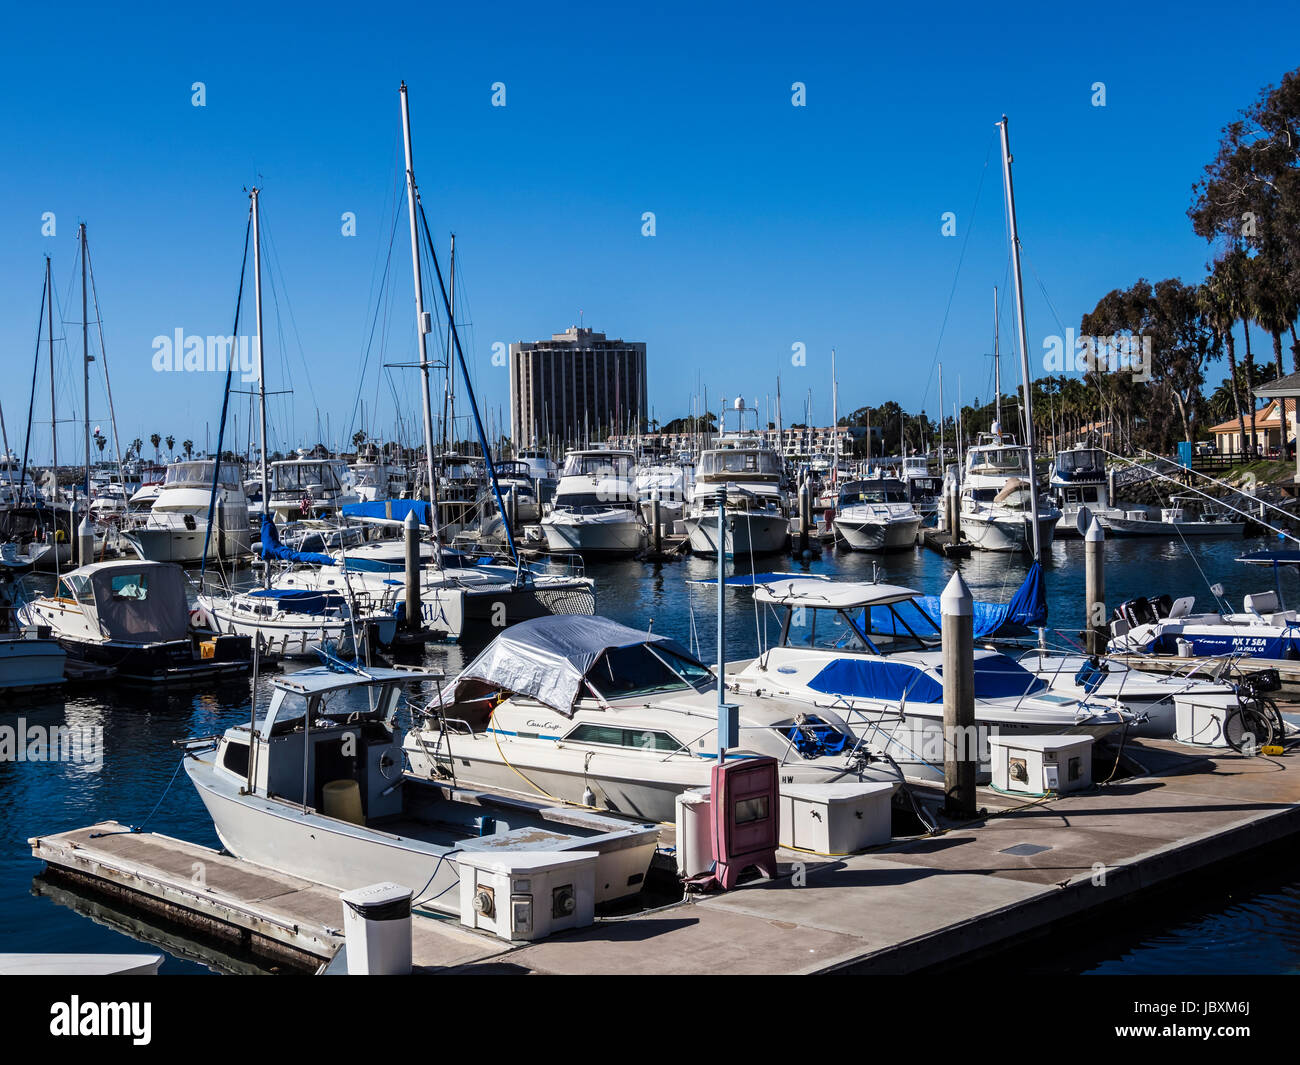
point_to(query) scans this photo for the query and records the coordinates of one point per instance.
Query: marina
(592, 526)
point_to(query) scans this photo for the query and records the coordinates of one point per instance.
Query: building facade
(578, 386)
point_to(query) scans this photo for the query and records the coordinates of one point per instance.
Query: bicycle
(1255, 722)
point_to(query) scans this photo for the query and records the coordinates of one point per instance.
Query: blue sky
(775, 224)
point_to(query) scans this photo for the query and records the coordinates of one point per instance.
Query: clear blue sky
(774, 224)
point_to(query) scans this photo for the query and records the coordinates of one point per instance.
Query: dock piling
(960, 745)
(411, 529)
(1094, 554)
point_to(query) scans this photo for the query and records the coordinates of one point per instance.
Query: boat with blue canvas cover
(871, 653)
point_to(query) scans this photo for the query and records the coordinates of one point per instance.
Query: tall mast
(449, 390)
(422, 324)
(997, 363)
(941, 465)
(54, 421)
(85, 355)
(261, 362)
(835, 418)
(1024, 347)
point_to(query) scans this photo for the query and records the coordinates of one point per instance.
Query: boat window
(73, 585)
(633, 738)
(130, 586)
(827, 630)
(693, 672)
(762, 463)
(999, 460)
(236, 758)
(589, 501)
(597, 466)
(627, 671)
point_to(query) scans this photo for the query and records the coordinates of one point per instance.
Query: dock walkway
(899, 908)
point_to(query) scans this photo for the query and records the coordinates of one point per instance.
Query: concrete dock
(1288, 670)
(904, 907)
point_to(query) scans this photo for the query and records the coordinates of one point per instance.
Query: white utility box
(694, 832)
(526, 895)
(836, 818)
(1037, 765)
(1199, 718)
(377, 924)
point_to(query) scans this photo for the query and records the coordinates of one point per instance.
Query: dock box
(1041, 765)
(1199, 717)
(836, 818)
(527, 895)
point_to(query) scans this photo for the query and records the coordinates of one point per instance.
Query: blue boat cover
(817, 739)
(1027, 609)
(270, 547)
(996, 677)
(302, 600)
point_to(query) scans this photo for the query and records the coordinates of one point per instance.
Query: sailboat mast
(261, 362)
(941, 465)
(85, 356)
(54, 421)
(421, 321)
(835, 421)
(449, 389)
(997, 363)
(1020, 327)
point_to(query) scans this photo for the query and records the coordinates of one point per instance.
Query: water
(1257, 921)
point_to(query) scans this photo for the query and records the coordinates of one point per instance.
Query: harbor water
(1253, 925)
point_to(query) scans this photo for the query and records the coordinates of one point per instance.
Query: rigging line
(293, 322)
(225, 401)
(103, 355)
(957, 274)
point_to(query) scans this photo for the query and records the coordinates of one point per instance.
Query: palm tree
(188, 447)
(1220, 311)
(137, 445)
(155, 439)
(171, 444)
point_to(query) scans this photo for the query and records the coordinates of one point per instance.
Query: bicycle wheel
(1275, 715)
(1247, 729)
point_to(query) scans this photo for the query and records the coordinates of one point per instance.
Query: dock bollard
(805, 515)
(85, 543)
(411, 528)
(656, 527)
(377, 926)
(1094, 580)
(960, 742)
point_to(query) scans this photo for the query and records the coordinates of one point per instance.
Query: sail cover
(143, 602)
(388, 510)
(270, 547)
(547, 658)
(1025, 610)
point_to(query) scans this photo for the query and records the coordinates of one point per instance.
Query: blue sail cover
(1027, 609)
(270, 547)
(300, 600)
(996, 677)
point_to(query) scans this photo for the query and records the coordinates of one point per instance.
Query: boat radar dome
(740, 403)
(996, 427)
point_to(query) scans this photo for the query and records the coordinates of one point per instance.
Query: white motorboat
(588, 711)
(29, 660)
(749, 472)
(176, 529)
(306, 487)
(372, 480)
(924, 489)
(996, 501)
(315, 788)
(1078, 483)
(847, 645)
(595, 508)
(672, 483)
(134, 615)
(1175, 520)
(875, 515)
(297, 622)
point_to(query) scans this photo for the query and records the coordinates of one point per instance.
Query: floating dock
(943, 543)
(907, 906)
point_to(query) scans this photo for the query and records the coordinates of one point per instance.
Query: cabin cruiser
(588, 711)
(1176, 520)
(306, 487)
(40, 532)
(924, 489)
(847, 645)
(297, 622)
(1079, 485)
(16, 484)
(176, 529)
(373, 480)
(134, 615)
(595, 508)
(514, 481)
(996, 498)
(875, 515)
(314, 788)
(749, 473)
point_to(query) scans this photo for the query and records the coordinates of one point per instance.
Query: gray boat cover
(142, 603)
(547, 658)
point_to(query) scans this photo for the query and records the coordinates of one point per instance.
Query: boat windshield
(199, 475)
(873, 492)
(998, 460)
(753, 462)
(623, 672)
(826, 630)
(297, 476)
(597, 465)
(1089, 460)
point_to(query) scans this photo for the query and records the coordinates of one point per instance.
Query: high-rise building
(577, 386)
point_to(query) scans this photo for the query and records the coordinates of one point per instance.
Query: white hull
(1006, 533)
(747, 532)
(1129, 527)
(867, 535)
(284, 638)
(28, 663)
(171, 545)
(585, 534)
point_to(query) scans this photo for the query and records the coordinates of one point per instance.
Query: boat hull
(1008, 533)
(745, 534)
(30, 664)
(586, 537)
(878, 535)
